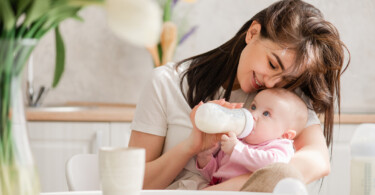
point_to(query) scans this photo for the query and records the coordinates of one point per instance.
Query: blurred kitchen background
(101, 67)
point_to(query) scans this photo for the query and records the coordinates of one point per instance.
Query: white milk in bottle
(212, 118)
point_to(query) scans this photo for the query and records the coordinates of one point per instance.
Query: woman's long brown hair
(290, 23)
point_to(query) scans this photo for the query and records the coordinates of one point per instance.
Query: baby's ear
(289, 134)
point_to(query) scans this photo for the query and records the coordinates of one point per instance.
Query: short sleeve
(150, 114)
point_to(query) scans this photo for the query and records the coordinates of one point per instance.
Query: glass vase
(18, 173)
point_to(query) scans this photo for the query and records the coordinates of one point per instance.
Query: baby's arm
(256, 158)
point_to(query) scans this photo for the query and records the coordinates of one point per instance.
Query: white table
(163, 192)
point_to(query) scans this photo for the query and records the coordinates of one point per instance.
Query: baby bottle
(212, 118)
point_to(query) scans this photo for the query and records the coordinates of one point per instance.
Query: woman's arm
(160, 169)
(312, 157)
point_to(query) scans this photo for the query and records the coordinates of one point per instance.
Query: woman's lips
(256, 83)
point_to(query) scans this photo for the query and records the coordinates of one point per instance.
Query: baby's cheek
(249, 138)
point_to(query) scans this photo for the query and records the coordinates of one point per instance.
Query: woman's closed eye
(272, 66)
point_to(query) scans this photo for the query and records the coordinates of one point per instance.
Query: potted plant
(22, 24)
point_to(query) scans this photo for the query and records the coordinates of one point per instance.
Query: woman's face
(261, 62)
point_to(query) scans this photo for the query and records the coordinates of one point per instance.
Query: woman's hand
(200, 141)
(226, 104)
(204, 157)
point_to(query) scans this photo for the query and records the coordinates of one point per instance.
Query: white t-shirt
(162, 109)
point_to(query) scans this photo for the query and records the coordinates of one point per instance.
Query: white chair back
(82, 172)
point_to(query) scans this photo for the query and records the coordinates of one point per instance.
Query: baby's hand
(228, 142)
(204, 157)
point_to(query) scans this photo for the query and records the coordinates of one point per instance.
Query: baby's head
(278, 113)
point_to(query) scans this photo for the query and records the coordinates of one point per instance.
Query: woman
(289, 45)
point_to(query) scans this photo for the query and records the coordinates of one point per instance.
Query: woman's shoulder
(171, 68)
(168, 76)
(164, 69)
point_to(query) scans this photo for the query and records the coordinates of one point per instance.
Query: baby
(279, 115)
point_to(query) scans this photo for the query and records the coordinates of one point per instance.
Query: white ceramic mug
(121, 170)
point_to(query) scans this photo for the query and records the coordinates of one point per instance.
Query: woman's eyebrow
(279, 61)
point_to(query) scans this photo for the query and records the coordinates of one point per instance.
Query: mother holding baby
(289, 45)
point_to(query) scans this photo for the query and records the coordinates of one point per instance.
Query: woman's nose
(271, 81)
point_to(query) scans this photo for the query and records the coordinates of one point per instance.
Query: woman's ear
(253, 31)
(289, 134)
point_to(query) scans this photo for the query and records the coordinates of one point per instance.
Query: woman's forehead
(285, 54)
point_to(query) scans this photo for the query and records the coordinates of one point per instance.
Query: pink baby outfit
(246, 158)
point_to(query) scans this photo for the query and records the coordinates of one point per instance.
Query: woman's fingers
(226, 104)
(209, 140)
(239, 105)
(232, 105)
(220, 101)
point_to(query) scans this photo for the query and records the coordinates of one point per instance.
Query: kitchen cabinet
(53, 143)
(119, 134)
(338, 181)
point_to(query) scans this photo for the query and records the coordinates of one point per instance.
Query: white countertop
(112, 112)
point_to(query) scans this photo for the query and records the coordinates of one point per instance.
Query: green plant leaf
(167, 14)
(31, 32)
(60, 57)
(21, 6)
(7, 15)
(85, 2)
(36, 10)
(57, 15)
(78, 18)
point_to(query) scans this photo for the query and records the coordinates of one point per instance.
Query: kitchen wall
(103, 68)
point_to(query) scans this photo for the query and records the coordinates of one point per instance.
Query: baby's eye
(266, 113)
(253, 107)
